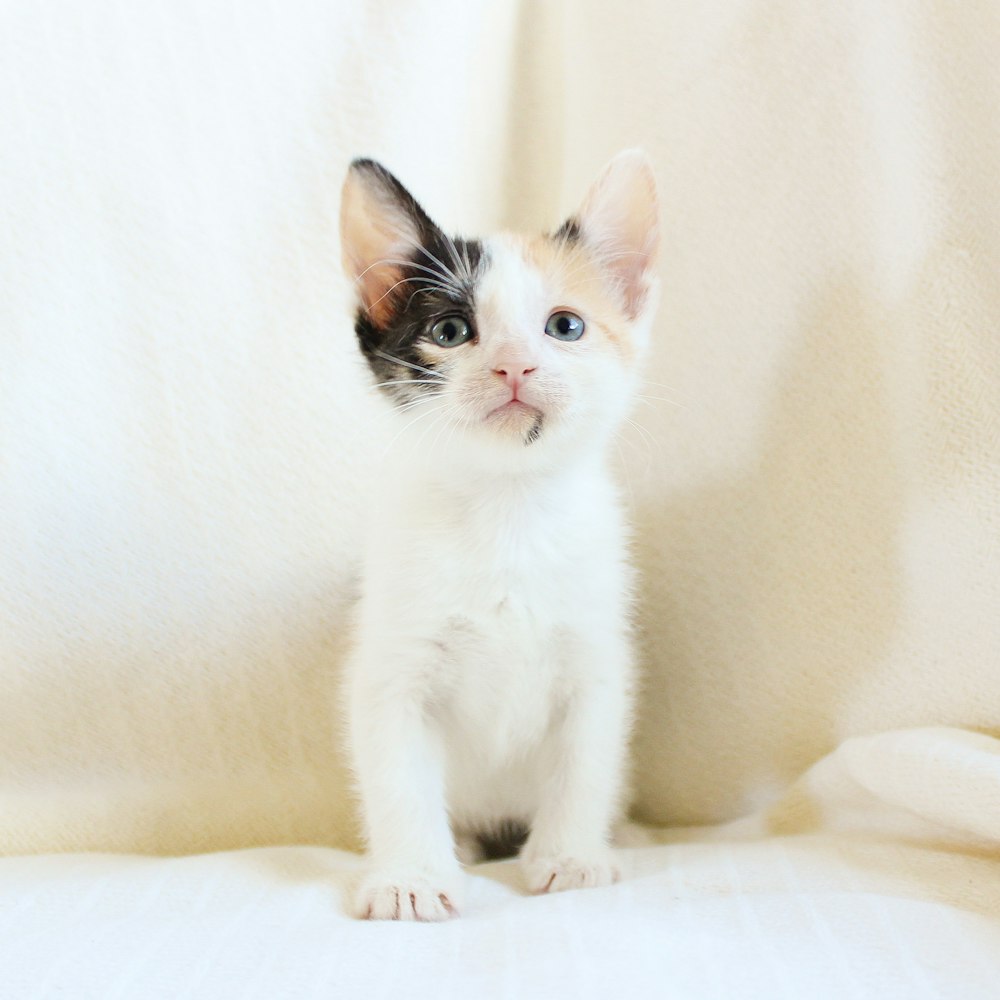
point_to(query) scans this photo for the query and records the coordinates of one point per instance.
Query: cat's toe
(390, 896)
(556, 874)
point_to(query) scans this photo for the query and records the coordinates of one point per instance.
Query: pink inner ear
(628, 253)
(375, 233)
(620, 220)
(375, 285)
(635, 271)
(370, 256)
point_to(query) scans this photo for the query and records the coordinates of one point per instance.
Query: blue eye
(451, 331)
(564, 325)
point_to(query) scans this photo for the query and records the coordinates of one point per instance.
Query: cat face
(508, 346)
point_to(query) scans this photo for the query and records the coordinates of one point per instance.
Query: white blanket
(811, 918)
(186, 438)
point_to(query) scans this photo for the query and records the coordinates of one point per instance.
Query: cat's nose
(514, 372)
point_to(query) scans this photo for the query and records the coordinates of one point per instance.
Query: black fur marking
(504, 840)
(417, 302)
(535, 432)
(569, 231)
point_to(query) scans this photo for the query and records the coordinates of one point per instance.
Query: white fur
(492, 675)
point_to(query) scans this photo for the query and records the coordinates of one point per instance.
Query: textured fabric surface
(771, 920)
(186, 442)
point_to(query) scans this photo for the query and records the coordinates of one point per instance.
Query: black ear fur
(392, 190)
(569, 231)
(408, 273)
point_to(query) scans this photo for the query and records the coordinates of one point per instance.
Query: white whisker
(447, 292)
(672, 389)
(462, 260)
(414, 403)
(409, 263)
(442, 413)
(647, 441)
(409, 364)
(662, 385)
(647, 438)
(642, 397)
(454, 427)
(391, 288)
(453, 253)
(407, 381)
(458, 261)
(465, 257)
(420, 416)
(445, 272)
(448, 426)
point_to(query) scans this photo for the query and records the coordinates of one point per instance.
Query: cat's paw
(385, 895)
(561, 872)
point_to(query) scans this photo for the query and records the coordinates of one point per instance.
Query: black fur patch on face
(418, 301)
(535, 432)
(439, 280)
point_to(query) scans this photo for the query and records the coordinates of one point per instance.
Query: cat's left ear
(620, 222)
(381, 225)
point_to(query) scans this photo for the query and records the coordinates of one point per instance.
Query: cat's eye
(564, 325)
(451, 331)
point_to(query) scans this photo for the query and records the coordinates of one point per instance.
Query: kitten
(490, 688)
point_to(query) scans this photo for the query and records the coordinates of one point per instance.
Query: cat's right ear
(619, 222)
(381, 225)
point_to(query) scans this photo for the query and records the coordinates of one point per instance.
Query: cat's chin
(516, 421)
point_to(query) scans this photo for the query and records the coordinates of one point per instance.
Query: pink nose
(514, 372)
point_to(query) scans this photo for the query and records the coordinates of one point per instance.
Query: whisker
(411, 263)
(461, 262)
(647, 438)
(450, 276)
(408, 425)
(391, 288)
(453, 253)
(417, 400)
(420, 397)
(662, 385)
(447, 292)
(409, 364)
(451, 426)
(643, 397)
(406, 381)
(576, 270)
(442, 414)
(465, 264)
(454, 427)
(647, 441)
(603, 258)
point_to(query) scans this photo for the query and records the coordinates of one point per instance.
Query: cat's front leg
(398, 760)
(582, 791)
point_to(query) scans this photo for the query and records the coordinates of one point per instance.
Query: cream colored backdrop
(186, 436)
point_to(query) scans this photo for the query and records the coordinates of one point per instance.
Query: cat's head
(510, 348)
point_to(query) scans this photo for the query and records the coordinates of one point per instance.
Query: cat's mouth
(512, 406)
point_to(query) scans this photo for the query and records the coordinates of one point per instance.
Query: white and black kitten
(490, 687)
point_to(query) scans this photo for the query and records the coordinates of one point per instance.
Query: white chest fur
(481, 598)
(512, 563)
